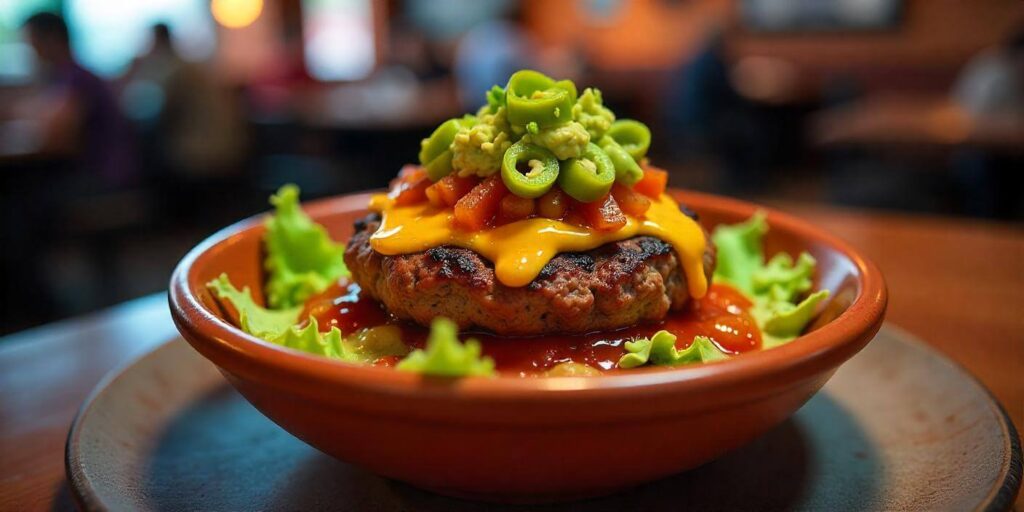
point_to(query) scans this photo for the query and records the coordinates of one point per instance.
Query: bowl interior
(847, 323)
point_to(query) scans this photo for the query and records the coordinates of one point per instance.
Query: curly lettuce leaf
(444, 356)
(783, 321)
(782, 279)
(254, 319)
(774, 287)
(281, 327)
(661, 350)
(309, 339)
(740, 251)
(302, 260)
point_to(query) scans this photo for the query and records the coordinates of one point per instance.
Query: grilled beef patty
(615, 285)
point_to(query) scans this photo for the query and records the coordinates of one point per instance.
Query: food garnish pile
(538, 227)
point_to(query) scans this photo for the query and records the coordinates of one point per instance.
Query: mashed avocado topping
(591, 113)
(565, 141)
(478, 149)
(544, 112)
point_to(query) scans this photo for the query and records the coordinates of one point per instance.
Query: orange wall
(933, 40)
(644, 34)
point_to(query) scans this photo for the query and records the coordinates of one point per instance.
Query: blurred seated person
(82, 150)
(980, 121)
(192, 129)
(990, 93)
(75, 112)
(706, 116)
(409, 48)
(992, 82)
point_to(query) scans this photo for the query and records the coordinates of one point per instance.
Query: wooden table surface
(957, 284)
(901, 121)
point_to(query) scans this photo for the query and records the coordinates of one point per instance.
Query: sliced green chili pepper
(633, 136)
(627, 171)
(538, 178)
(439, 167)
(435, 154)
(531, 96)
(439, 141)
(570, 87)
(495, 98)
(589, 177)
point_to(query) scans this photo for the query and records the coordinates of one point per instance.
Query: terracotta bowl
(529, 439)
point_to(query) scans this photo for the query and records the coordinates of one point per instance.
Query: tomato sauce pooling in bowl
(721, 315)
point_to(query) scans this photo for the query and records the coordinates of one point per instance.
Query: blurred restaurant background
(130, 130)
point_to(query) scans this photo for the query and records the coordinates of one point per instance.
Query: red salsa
(721, 315)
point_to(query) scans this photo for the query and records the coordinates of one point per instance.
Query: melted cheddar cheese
(519, 250)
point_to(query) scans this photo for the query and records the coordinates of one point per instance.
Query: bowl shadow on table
(221, 453)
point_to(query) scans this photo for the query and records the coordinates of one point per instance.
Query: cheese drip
(519, 250)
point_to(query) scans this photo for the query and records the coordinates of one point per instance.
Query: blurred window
(817, 15)
(15, 54)
(339, 38)
(448, 19)
(107, 34)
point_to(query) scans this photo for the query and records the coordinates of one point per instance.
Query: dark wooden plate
(899, 427)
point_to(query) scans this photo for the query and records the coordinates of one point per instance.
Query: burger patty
(615, 285)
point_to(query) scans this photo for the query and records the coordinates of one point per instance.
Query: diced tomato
(477, 208)
(632, 202)
(726, 298)
(603, 214)
(575, 217)
(653, 183)
(451, 188)
(734, 333)
(409, 169)
(404, 173)
(553, 204)
(434, 196)
(410, 187)
(514, 208)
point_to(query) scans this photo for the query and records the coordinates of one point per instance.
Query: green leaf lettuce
(661, 350)
(281, 327)
(254, 319)
(773, 286)
(302, 260)
(444, 356)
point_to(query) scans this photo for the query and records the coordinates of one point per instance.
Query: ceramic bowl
(515, 439)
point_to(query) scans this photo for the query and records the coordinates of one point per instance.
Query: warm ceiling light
(236, 13)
